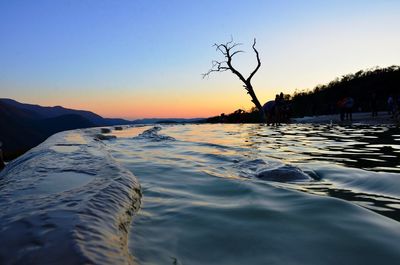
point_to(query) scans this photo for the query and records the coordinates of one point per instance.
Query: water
(336, 199)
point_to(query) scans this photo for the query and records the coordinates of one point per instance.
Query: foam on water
(152, 134)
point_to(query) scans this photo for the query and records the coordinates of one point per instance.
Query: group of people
(346, 106)
(393, 106)
(276, 111)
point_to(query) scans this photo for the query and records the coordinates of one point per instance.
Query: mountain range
(23, 126)
(40, 112)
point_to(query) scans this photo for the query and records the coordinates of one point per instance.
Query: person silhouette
(391, 105)
(374, 105)
(341, 107)
(348, 107)
(269, 110)
(281, 108)
(277, 109)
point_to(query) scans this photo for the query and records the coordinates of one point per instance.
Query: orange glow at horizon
(142, 108)
(156, 105)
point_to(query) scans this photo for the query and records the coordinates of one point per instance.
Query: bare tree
(229, 50)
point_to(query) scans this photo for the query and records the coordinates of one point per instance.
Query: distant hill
(63, 123)
(18, 130)
(52, 112)
(23, 126)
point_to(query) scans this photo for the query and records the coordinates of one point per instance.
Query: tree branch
(258, 62)
(236, 72)
(236, 52)
(216, 67)
(226, 50)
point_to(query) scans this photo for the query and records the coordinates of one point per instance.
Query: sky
(144, 58)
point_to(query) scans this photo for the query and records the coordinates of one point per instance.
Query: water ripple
(204, 204)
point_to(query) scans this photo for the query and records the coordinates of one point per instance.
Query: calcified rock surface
(66, 202)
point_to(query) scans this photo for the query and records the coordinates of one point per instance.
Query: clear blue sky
(144, 58)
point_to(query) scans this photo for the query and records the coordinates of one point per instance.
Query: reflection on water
(203, 202)
(367, 147)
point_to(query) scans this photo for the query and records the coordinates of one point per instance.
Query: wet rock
(66, 206)
(118, 128)
(104, 137)
(105, 130)
(285, 173)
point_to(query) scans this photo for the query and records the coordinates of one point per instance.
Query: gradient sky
(144, 58)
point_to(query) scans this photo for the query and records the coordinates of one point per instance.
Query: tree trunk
(256, 102)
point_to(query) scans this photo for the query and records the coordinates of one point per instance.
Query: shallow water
(251, 194)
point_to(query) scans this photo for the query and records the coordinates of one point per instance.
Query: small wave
(213, 145)
(152, 134)
(359, 180)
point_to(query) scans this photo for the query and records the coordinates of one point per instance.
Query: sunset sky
(144, 58)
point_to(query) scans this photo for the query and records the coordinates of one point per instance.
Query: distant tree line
(238, 116)
(323, 99)
(361, 86)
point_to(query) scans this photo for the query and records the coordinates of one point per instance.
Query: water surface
(204, 203)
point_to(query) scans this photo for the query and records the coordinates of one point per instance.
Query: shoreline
(361, 118)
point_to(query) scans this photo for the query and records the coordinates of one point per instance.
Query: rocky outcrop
(67, 201)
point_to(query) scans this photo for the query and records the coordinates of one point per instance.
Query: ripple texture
(67, 201)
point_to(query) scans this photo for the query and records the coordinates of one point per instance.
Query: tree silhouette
(229, 50)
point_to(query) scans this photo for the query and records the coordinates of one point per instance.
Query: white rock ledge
(67, 201)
